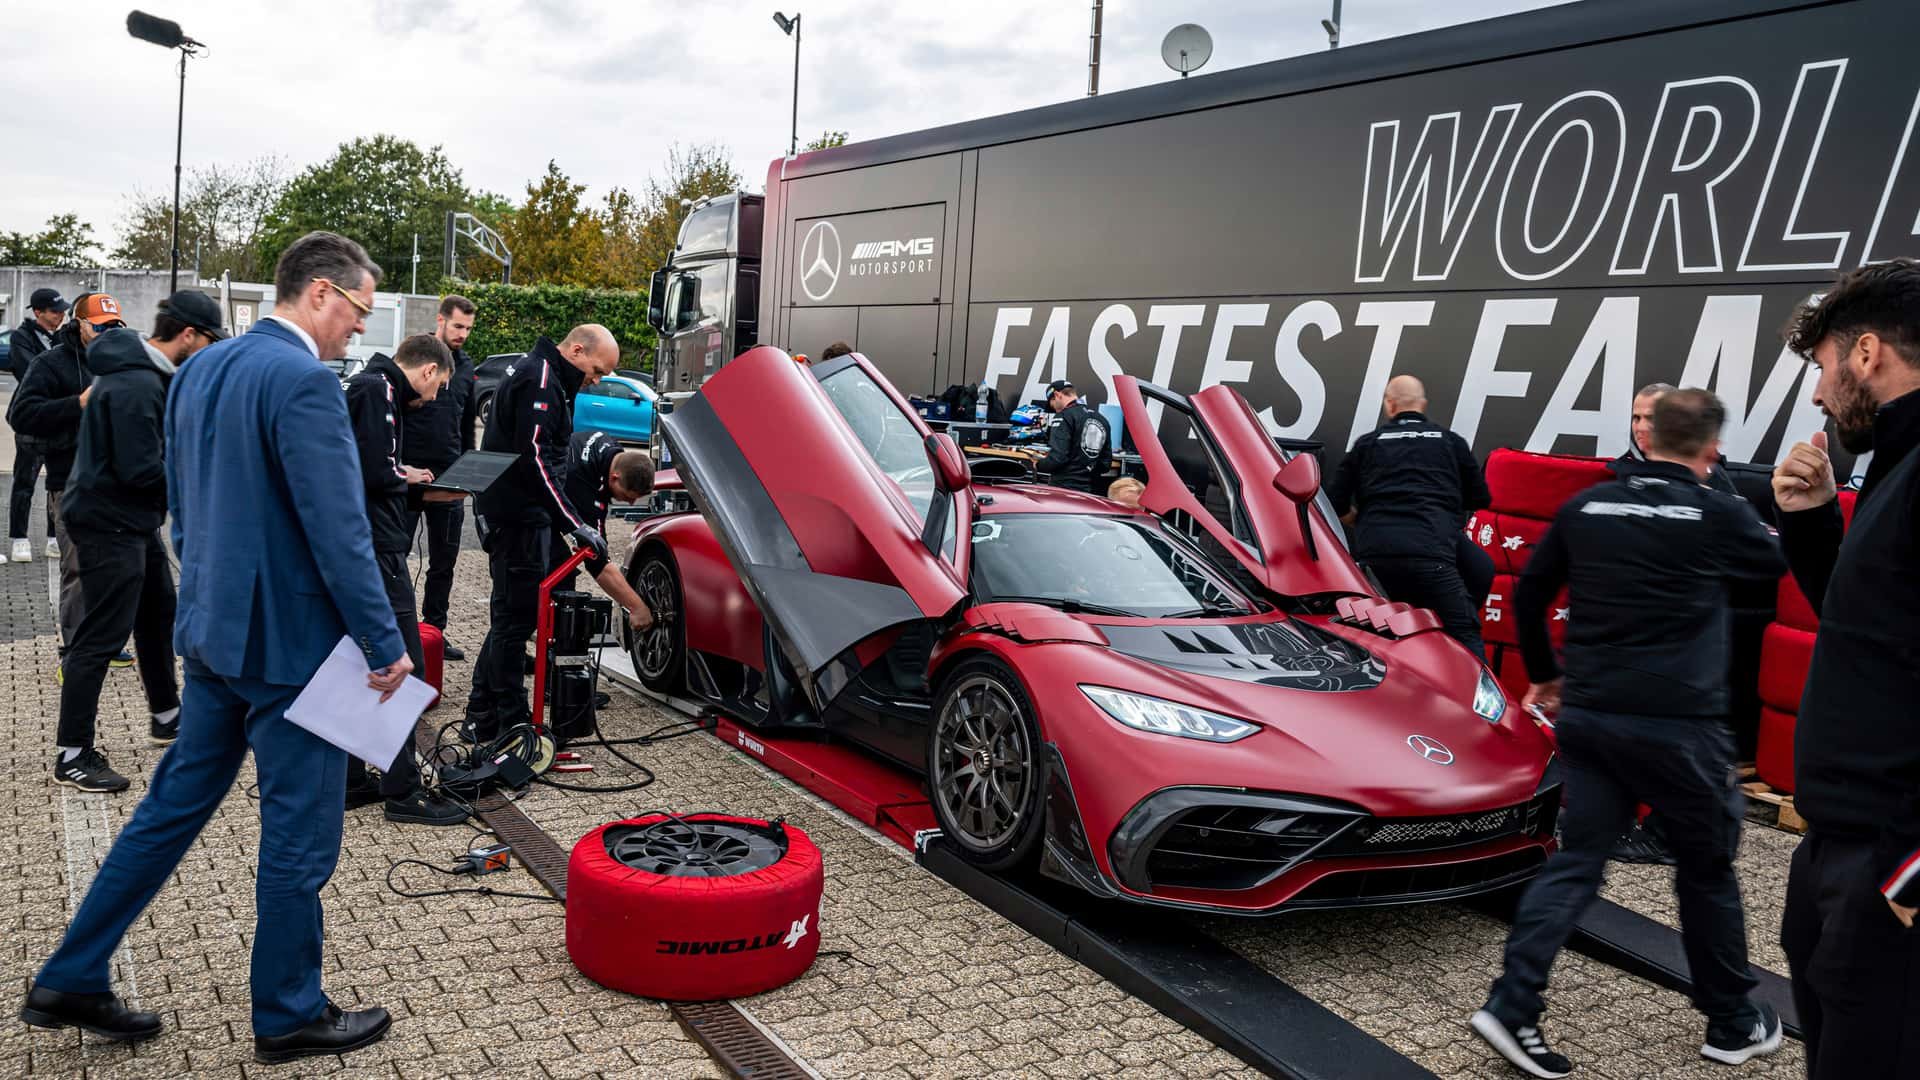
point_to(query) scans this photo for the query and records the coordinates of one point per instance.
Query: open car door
(843, 513)
(1281, 537)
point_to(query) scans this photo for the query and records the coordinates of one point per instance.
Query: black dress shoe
(452, 652)
(359, 795)
(103, 1014)
(335, 1032)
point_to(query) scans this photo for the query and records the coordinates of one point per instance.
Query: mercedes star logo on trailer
(820, 254)
(1432, 749)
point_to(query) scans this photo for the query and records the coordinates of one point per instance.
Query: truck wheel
(983, 765)
(660, 652)
(693, 908)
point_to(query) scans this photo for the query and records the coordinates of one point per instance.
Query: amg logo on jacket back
(1640, 510)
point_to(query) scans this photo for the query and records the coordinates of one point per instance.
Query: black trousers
(125, 587)
(517, 558)
(28, 458)
(1476, 568)
(1683, 768)
(444, 522)
(1435, 584)
(402, 775)
(1856, 970)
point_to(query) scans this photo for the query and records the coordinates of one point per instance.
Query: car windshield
(886, 432)
(1098, 564)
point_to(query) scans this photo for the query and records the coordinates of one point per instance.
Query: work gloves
(588, 537)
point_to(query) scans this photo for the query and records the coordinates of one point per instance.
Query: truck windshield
(1111, 565)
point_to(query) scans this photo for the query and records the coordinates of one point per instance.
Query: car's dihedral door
(1263, 527)
(829, 546)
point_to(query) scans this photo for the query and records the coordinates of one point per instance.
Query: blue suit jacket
(263, 482)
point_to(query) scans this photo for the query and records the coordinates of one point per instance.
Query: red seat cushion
(1496, 618)
(1784, 655)
(1773, 761)
(1791, 604)
(1535, 485)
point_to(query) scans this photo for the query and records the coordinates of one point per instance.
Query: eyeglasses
(363, 309)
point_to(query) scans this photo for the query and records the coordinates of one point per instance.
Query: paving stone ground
(936, 985)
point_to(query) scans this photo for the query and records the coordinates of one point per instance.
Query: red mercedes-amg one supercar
(1203, 703)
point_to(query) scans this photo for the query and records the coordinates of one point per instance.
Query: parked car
(486, 376)
(620, 406)
(1163, 705)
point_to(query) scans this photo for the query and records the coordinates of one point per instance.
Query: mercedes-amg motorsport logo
(1432, 749)
(820, 261)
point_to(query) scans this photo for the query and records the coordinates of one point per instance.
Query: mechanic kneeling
(533, 418)
(1646, 559)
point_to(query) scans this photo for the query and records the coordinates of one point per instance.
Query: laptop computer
(473, 472)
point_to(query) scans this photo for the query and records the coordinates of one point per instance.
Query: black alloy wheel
(984, 767)
(659, 652)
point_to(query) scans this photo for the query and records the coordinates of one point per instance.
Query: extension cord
(486, 860)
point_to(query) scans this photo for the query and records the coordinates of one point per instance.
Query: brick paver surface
(935, 985)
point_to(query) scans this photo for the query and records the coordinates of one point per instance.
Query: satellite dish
(1187, 48)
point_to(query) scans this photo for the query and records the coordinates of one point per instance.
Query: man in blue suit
(276, 564)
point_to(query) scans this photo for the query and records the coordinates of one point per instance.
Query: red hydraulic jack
(543, 642)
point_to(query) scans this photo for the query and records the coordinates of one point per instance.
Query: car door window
(887, 433)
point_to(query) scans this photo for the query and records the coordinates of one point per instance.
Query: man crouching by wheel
(522, 512)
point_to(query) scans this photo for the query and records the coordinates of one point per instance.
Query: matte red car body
(1350, 746)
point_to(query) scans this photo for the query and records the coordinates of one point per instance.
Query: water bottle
(980, 403)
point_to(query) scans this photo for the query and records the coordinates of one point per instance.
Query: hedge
(511, 317)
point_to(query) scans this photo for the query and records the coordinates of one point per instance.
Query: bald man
(1408, 486)
(527, 507)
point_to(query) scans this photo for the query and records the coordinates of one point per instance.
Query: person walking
(384, 392)
(34, 335)
(1646, 560)
(524, 509)
(437, 433)
(275, 567)
(1853, 892)
(113, 507)
(1408, 486)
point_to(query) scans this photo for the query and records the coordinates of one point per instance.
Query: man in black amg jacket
(1848, 930)
(437, 433)
(1646, 560)
(32, 337)
(377, 398)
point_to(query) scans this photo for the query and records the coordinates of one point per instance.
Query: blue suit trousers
(302, 795)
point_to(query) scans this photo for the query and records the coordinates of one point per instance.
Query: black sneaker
(421, 808)
(1522, 1046)
(359, 795)
(1756, 1034)
(88, 770)
(160, 734)
(1643, 843)
(450, 651)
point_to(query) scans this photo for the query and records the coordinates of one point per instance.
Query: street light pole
(179, 140)
(167, 34)
(791, 27)
(1332, 27)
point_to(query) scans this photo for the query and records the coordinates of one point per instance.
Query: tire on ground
(685, 937)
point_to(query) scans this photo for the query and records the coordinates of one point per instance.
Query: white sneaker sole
(1495, 1033)
(1746, 1053)
(78, 786)
(23, 558)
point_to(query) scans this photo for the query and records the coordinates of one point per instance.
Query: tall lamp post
(167, 34)
(791, 28)
(1332, 27)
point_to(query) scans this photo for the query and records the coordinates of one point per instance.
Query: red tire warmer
(692, 938)
(433, 655)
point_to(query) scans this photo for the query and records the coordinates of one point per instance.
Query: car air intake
(1401, 884)
(1200, 838)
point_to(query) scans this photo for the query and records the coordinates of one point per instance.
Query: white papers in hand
(340, 707)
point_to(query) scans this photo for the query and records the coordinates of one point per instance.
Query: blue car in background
(619, 405)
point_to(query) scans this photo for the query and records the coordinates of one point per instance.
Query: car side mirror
(949, 464)
(1299, 480)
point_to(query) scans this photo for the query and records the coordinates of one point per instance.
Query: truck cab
(704, 305)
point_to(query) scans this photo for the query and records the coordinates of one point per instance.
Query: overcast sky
(601, 86)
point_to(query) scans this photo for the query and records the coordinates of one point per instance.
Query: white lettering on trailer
(1389, 318)
(1298, 372)
(1722, 356)
(1171, 319)
(1111, 317)
(1482, 379)
(1597, 117)
(1867, 252)
(1049, 360)
(998, 362)
(1612, 333)
(1676, 189)
(1220, 367)
(1812, 247)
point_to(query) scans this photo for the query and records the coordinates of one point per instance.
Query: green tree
(554, 238)
(225, 212)
(66, 241)
(827, 141)
(380, 191)
(691, 173)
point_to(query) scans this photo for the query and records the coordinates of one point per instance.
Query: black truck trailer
(1536, 214)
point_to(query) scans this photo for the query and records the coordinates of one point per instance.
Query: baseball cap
(196, 309)
(48, 299)
(98, 309)
(1059, 386)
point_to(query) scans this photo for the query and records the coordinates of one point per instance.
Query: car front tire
(984, 769)
(659, 653)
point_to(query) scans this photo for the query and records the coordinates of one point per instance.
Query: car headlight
(1151, 714)
(1489, 701)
